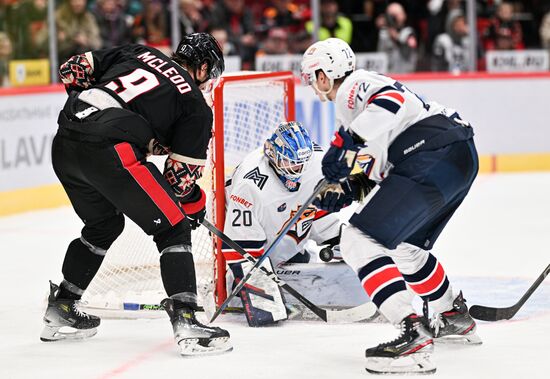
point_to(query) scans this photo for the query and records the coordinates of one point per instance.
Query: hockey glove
(76, 73)
(340, 157)
(195, 207)
(339, 195)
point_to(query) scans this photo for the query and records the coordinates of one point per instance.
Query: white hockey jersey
(258, 206)
(378, 109)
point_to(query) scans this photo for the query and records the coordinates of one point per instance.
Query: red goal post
(286, 81)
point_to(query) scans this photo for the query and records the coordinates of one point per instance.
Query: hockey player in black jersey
(124, 104)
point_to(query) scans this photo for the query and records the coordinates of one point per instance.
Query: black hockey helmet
(198, 48)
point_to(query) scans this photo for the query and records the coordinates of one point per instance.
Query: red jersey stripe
(431, 283)
(148, 183)
(394, 95)
(231, 255)
(380, 279)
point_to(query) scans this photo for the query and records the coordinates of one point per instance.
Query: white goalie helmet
(334, 56)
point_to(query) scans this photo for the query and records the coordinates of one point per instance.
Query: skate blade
(54, 333)
(192, 347)
(466, 339)
(416, 363)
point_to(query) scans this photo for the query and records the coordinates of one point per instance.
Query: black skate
(407, 354)
(63, 313)
(193, 337)
(455, 325)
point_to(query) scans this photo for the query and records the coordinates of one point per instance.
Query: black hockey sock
(80, 265)
(65, 293)
(178, 271)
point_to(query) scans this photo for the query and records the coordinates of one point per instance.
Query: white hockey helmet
(334, 56)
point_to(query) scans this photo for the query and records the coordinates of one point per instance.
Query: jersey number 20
(242, 218)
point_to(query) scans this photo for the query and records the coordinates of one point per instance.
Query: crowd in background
(417, 35)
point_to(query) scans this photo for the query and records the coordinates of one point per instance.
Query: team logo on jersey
(301, 229)
(281, 207)
(258, 178)
(366, 162)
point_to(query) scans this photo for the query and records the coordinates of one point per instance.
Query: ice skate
(64, 321)
(192, 337)
(455, 325)
(407, 354)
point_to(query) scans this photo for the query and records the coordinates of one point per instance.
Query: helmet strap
(324, 94)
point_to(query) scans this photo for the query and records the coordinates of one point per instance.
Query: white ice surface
(493, 249)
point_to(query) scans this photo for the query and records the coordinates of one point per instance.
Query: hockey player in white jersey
(418, 162)
(263, 194)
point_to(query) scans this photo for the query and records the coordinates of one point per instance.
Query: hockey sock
(81, 263)
(178, 274)
(430, 282)
(386, 288)
(66, 293)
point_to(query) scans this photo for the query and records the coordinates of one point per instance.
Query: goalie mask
(333, 56)
(289, 150)
(198, 48)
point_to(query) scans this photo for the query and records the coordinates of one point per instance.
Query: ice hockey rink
(493, 249)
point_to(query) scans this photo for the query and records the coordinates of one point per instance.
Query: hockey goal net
(247, 107)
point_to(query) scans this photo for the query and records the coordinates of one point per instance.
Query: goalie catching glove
(339, 195)
(340, 158)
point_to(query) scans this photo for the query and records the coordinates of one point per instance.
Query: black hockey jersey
(161, 91)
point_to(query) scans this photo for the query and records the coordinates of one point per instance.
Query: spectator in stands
(450, 49)
(275, 43)
(284, 14)
(238, 20)
(504, 32)
(333, 24)
(5, 55)
(130, 8)
(220, 34)
(545, 31)
(438, 18)
(192, 19)
(77, 30)
(397, 39)
(29, 31)
(152, 25)
(113, 27)
(291, 16)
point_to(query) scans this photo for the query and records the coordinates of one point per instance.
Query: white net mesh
(128, 283)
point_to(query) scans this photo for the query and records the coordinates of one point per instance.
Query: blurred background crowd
(424, 35)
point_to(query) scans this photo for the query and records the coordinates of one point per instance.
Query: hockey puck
(326, 254)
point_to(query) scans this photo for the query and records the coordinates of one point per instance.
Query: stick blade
(479, 312)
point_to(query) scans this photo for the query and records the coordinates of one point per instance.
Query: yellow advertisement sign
(31, 72)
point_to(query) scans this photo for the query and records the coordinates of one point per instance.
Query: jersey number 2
(136, 83)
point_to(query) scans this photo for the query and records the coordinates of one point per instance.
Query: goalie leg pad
(262, 299)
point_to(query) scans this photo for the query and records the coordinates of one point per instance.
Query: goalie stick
(358, 313)
(484, 313)
(270, 249)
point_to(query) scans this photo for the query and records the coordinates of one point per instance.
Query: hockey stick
(270, 249)
(361, 312)
(481, 312)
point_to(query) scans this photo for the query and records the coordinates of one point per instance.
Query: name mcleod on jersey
(171, 72)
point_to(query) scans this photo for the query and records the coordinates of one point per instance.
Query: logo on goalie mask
(289, 150)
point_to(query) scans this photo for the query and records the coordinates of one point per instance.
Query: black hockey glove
(76, 73)
(340, 157)
(194, 206)
(339, 195)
